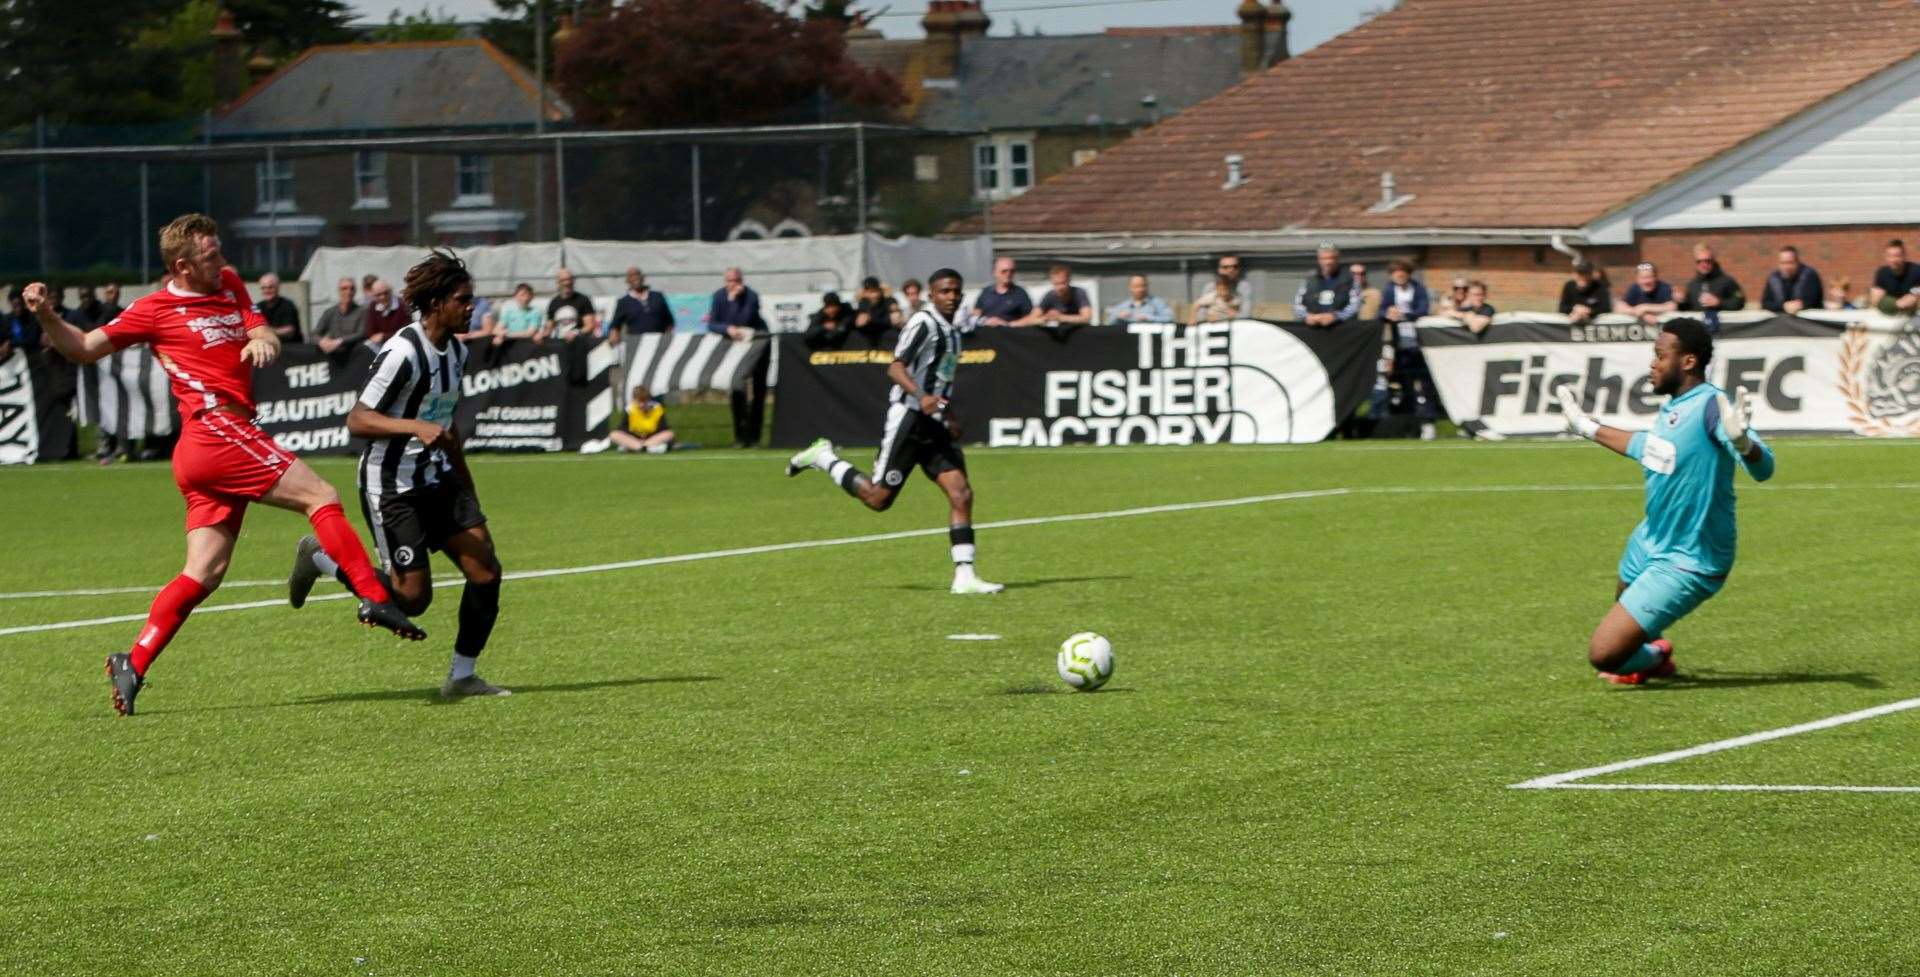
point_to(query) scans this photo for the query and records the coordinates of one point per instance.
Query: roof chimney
(1277, 17)
(947, 22)
(1253, 36)
(1236, 172)
(229, 77)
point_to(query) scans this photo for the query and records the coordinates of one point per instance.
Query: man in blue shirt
(1002, 303)
(1681, 553)
(735, 313)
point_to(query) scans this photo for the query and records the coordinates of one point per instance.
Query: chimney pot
(1236, 172)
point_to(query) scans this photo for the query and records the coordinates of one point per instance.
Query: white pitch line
(1364, 490)
(1748, 788)
(736, 551)
(148, 589)
(1567, 779)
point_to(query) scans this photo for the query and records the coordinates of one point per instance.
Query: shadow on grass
(431, 694)
(1713, 679)
(1055, 688)
(1024, 584)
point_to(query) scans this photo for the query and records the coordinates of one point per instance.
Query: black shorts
(406, 527)
(912, 438)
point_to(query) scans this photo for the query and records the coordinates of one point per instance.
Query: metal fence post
(413, 164)
(40, 142)
(860, 164)
(696, 192)
(273, 213)
(145, 243)
(560, 191)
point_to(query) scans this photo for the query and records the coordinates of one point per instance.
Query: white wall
(1856, 161)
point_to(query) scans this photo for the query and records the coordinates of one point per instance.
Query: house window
(1003, 166)
(369, 179)
(475, 183)
(273, 186)
(926, 169)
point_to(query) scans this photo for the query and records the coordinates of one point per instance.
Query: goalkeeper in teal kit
(1681, 553)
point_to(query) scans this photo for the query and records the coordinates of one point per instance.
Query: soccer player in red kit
(203, 329)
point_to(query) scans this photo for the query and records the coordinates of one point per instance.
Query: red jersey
(197, 339)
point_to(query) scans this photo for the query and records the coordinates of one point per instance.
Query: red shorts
(223, 462)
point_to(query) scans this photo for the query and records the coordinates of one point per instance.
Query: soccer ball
(1086, 661)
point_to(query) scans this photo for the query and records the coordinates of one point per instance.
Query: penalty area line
(807, 544)
(1570, 779)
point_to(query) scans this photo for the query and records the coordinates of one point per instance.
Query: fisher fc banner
(1243, 382)
(1805, 375)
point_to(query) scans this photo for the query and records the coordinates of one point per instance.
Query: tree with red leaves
(667, 63)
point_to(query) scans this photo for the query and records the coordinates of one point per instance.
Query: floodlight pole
(40, 141)
(273, 213)
(413, 165)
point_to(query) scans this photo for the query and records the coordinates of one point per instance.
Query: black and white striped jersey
(411, 380)
(930, 346)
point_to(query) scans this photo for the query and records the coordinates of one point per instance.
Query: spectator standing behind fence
(735, 313)
(519, 319)
(1792, 286)
(386, 314)
(584, 318)
(1065, 303)
(830, 327)
(1328, 297)
(1474, 311)
(110, 307)
(1235, 269)
(1647, 298)
(1140, 306)
(1002, 303)
(1218, 305)
(1584, 295)
(1403, 303)
(1896, 286)
(875, 312)
(1711, 290)
(343, 323)
(1840, 296)
(642, 310)
(279, 311)
(913, 298)
(1450, 302)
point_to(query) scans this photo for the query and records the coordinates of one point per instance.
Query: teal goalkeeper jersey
(1688, 466)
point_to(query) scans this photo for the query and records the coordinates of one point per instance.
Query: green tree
(423, 26)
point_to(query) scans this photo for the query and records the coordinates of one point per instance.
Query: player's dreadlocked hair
(1694, 338)
(432, 281)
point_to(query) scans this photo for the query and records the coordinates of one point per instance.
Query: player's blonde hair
(177, 239)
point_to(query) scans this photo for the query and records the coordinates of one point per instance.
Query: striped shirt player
(1681, 553)
(919, 429)
(415, 489)
(203, 329)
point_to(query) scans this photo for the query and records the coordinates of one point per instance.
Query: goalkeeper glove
(1734, 419)
(1577, 420)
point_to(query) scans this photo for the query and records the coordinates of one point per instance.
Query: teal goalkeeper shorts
(1659, 593)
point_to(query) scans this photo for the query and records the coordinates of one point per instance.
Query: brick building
(305, 199)
(1497, 139)
(1041, 105)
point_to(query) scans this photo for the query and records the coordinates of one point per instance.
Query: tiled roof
(356, 88)
(1490, 113)
(1039, 82)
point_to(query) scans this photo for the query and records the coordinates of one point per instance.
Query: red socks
(342, 545)
(169, 611)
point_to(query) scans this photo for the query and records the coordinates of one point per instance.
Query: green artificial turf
(777, 763)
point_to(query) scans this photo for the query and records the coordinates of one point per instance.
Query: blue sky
(1313, 20)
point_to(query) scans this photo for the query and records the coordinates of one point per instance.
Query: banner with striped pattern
(680, 362)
